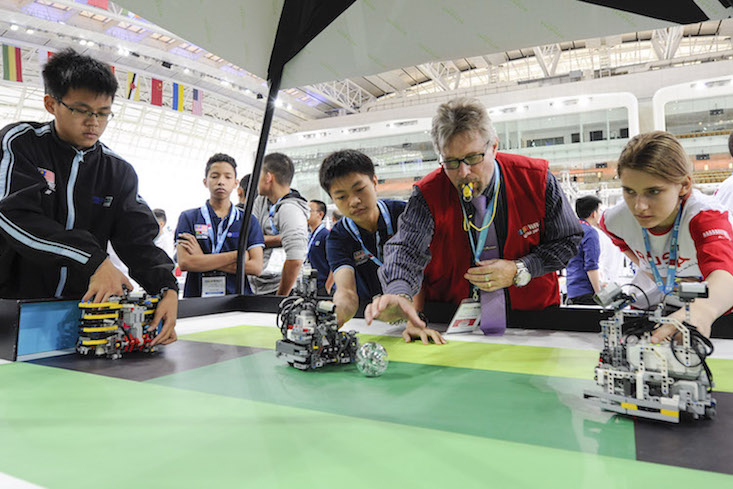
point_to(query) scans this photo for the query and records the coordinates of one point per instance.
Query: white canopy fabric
(374, 36)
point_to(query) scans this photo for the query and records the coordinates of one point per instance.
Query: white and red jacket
(705, 238)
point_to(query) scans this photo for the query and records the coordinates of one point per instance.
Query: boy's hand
(189, 243)
(167, 311)
(106, 281)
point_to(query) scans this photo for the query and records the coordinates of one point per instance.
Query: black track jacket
(59, 207)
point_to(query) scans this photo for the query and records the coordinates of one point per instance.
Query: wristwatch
(522, 277)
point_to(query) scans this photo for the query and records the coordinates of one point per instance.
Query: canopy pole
(254, 179)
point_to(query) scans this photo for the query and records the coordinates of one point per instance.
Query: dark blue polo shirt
(589, 250)
(345, 251)
(192, 221)
(317, 254)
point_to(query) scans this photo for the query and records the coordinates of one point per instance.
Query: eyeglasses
(87, 114)
(470, 160)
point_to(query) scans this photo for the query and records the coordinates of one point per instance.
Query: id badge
(467, 317)
(213, 285)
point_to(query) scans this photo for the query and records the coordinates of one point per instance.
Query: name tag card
(467, 317)
(213, 286)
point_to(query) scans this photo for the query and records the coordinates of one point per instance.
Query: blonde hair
(657, 153)
(459, 116)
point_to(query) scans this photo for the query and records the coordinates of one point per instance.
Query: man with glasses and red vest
(486, 230)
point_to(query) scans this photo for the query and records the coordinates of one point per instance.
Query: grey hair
(459, 116)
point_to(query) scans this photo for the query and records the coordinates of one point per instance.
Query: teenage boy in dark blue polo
(208, 237)
(354, 246)
(317, 246)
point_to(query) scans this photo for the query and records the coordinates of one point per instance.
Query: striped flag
(198, 97)
(133, 86)
(12, 66)
(156, 92)
(178, 97)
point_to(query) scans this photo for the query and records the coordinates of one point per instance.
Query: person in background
(317, 246)
(165, 239)
(242, 190)
(583, 276)
(283, 216)
(65, 196)
(336, 216)
(208, 236)
(724, 193)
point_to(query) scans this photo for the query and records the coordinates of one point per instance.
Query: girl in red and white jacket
(672, 232)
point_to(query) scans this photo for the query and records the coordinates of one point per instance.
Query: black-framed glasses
(87, 114)
(470, 160)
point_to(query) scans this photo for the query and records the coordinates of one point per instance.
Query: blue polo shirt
(317, 253)
(343, 250)
(193, 222)
(589, 250)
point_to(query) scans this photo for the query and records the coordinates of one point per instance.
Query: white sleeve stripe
(258, 245)
(36, 243)
(6, 165)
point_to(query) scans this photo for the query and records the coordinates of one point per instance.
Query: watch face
(522, 277)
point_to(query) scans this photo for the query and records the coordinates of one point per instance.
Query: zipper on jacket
(70, 212)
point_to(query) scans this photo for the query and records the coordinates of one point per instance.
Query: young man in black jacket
(64, 196)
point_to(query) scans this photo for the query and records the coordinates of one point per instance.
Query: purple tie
(493, 306)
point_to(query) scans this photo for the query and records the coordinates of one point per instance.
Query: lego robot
(311, 338)
(117, 326)
(656, 381)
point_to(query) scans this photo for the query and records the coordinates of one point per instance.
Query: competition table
(218, 409)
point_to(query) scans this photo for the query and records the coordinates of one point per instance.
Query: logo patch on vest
(360, 257)
(529, 229)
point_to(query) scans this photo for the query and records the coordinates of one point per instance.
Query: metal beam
(445, 74)
(547, 57)
(666, 41)
(344, 93)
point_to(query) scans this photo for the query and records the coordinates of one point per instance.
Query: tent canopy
(374, 36)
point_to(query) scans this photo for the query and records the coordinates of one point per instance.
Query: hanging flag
(12, 66)
(103, 4)
(156, 92)
(198, 97)
(178, 97)
(133, 87)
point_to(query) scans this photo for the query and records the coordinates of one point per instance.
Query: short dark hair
(244, 182)
(321, 206)
(67, 70)
(342, 163)
(730, 144)
(160, 215)
(281, 166)
(587, 205)
(218, 158)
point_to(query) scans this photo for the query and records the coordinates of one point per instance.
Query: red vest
(524, 180)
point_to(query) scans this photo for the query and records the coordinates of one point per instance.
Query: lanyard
(672, 266)
(313, 236)
(221, 233)
(478, 248)
(272, 214)
(353, 229)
